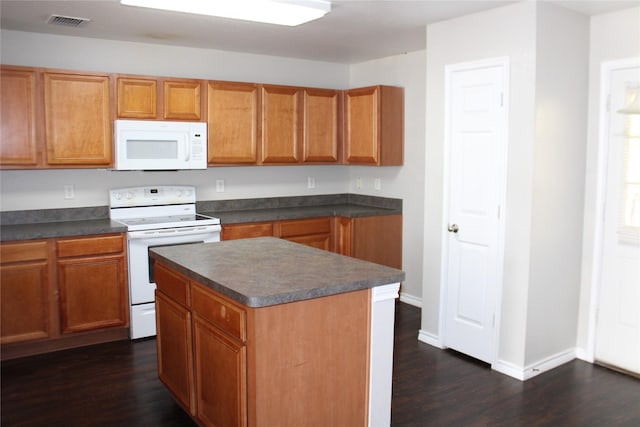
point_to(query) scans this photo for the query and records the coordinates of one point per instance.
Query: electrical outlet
(219, 185)
(69, 192)
(311, 182)
(377, 184)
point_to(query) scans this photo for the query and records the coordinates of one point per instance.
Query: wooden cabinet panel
(280, 124)
(173, 284)
(233, 123)
(374, 126)
(301, 227)
(321, 126)
(182, 100)
(221, 376)
(26, 297)
(221, 312)
(342, 236)
(92, 293)
(137, 98)
(77, 119)
(174, 343)
(85, 246)
(18, 115)
(378, 239)
(247, 230)
(319, 241)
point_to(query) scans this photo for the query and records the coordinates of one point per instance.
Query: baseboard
(584, 355)
(430, 339)
(411, 300)
(535, 368)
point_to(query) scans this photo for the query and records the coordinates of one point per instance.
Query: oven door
(141, 283)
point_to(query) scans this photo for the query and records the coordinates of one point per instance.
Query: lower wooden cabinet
(62, 293)
(374, 238)
(26, 291)
(175, 361)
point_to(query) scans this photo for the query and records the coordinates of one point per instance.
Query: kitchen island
(265, 332)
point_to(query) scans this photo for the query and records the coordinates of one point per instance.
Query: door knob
(453, 228)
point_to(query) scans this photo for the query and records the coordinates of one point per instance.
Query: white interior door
(618, 321)
(476, 130)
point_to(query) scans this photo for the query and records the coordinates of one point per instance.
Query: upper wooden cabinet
(281, 124)
(233, 123)
(159, 98)
(321, 126)
(18, 118)
(77, 119)
(374, 126)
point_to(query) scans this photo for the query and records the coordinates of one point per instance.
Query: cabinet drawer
(244, 231)
(303, 227)
(24, 251)
(222, 313)
(174, 285)
(86, 246)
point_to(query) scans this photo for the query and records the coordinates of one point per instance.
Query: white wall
(506, 31)
(547, 47)
(562, 38)
(613, 36)
(406, 182)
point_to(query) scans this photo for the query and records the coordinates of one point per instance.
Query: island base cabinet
(174, 341)
(221, 366)
(314, 356)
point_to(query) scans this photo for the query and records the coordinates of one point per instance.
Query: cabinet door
(182, 100)
(321, 126)
(374, 126)
(137, 98)
(174, 343)
(244, 231)
(314, 232)
(92, 293)
(232, 123)
(221, 376)
(342, 236)
(26, 298)
(77, 119)
(280, 124)
(18, 117)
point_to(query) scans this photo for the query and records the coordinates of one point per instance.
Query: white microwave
(156, 145)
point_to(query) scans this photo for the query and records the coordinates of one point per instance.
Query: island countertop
(268, 271)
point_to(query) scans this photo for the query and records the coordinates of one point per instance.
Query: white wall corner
(411, 299)
(429, 338)
(584, 355)
(536, 368)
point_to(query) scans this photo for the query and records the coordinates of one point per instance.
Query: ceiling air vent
(67, 21)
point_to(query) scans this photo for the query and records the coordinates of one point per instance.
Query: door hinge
(502, 99)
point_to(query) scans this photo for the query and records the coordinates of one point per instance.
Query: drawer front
(86, 246)
(291, 228)
(244, 231)
(173, 284)
(23, 251)
(222, 313)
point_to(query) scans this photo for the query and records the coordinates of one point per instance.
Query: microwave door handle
(187, 151)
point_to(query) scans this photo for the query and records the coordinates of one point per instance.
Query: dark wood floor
(116, 385)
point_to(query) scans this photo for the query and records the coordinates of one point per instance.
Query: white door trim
(449, 70)
(601, 193)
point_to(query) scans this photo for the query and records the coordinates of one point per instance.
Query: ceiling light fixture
(289, 13)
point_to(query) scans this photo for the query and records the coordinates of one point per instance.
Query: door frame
(502, 165)
(602, 172)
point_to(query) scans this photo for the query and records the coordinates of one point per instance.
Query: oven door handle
(173, 232)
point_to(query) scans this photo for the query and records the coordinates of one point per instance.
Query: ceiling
(354, 31)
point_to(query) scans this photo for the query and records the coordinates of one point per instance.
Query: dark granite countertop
(268, 271)
(44, 230)
(62, 222)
